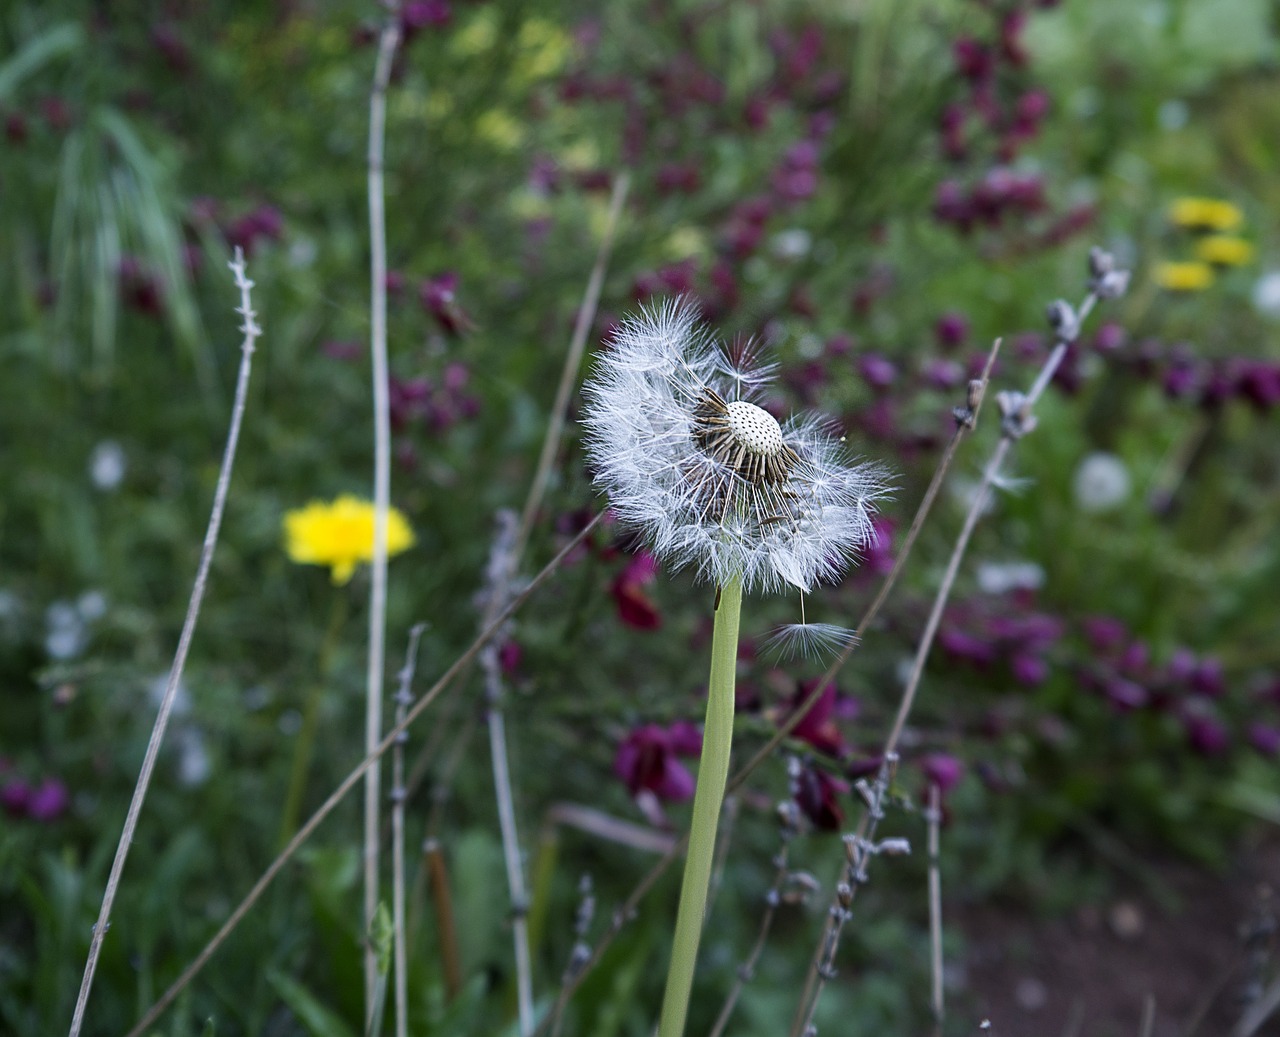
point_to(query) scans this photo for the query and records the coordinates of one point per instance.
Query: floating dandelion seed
(811, 640)
(709, 477)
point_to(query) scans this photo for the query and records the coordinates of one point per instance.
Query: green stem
(713, 773)
(304, 746)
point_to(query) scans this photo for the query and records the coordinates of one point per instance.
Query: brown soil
(1180, 940)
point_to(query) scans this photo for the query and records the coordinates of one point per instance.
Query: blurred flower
(49, 801)
(1205, 214)
(635, 607)
(107, 465)
(1265, 738)
(1101, 482)
(1224, 250)
(66, 632)
(646, 760)
(817, 795)
(1003, 577)
(1183, 277)
(1266, 294)
(943, 770)
(340, 535)
(818, 725)
(439, 298)
(710, 479)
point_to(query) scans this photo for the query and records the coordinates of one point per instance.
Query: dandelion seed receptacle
(712, 481)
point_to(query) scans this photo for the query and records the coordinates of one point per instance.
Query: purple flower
(1105, 633)
(635, 607)
(1029, 669)
(423, 14)
(943, 770)
(439, 298)
(818, 725)
(817, 795)
(1206, 733)
(1207, 678)
(646, 762)
(877, 371)
(15, 796)
(49, 801)
(944, 374)
(1265, 738)
(1125, 694)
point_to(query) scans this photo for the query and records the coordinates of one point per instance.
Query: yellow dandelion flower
(1205, 214)
(340, 535)
(1224, 250)
(1184, 277)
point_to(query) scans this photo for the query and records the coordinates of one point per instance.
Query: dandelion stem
(713, 773)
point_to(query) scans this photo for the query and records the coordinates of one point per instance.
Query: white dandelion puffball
(710, 478)
(1101, 482)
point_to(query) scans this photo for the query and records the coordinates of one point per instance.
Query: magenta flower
(635, 607)
(49, 801)
(943, 770)
(646, 760)
(817, 795)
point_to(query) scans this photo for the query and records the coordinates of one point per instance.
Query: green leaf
(320, 1020)
(59, 40)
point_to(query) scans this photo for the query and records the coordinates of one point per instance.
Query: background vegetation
(874, 192)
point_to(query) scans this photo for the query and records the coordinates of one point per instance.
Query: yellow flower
(1205, 214)
(1224, 250)
(340, 535)
(1183, 277)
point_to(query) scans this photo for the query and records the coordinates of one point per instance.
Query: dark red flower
(817, 795)
(646, 761)
(635, 607)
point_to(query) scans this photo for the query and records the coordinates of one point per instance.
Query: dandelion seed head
(713, 481)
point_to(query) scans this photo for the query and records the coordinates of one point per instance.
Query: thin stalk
(934, 819)
(387, 44)
(572, 361)
(514, 867)
(713, 773)
(400, 933)
(251, 334)
(349, 782)
(1017, 419)
(747, 969)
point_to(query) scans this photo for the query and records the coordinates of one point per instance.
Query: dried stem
(933, 818)
(572, 361)
(350, 781)
(1017, 420)
(251, 334)
(404, 699)
(387, 44)
(746, 971)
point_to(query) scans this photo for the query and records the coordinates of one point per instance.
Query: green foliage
(139, 151)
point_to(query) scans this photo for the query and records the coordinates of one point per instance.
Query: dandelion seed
(710, 478)
(810, 640)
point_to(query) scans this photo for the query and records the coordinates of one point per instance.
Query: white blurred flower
(92, 605)
(791, 244)
(107, 465)
(706, 475)
(66, 633)
(1101, 482)
(1266, 294)
(1003, 577)
(193, 759)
